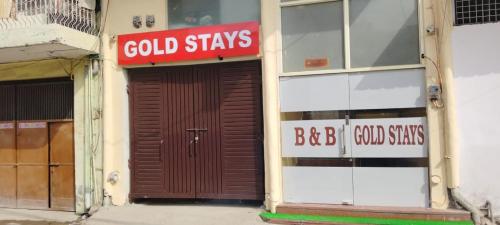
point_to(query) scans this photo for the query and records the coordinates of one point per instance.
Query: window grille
(476, 11)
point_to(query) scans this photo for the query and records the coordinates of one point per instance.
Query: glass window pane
(313, 36)
(190, 13)
(384, 32)
(232, 11)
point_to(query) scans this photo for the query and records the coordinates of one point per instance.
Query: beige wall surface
(437, 152)
(5, 8)
(116, 119)
(36, 69)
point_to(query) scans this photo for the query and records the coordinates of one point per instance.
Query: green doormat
(359, 220)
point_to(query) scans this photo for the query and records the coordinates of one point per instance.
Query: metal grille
(68, 13)
(7, 103)
(476, 11)
(45, 101)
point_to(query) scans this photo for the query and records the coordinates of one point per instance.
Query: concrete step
(401, 213)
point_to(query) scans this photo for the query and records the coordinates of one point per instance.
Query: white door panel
(329, 185)
(314, 93)
(396, 186)
(387, 89)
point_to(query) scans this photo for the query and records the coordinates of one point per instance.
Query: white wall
(476, 52)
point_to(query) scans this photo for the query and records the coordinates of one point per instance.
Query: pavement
(143, 214)
(35, 217)
(178, 214)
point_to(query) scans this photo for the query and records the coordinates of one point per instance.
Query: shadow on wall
(395, 45)
(388, 86)
(402, 49)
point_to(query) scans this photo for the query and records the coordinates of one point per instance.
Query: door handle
(160, 149)
(344, 148)
(197, 130)
(190, 148)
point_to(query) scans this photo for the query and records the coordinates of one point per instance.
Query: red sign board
(228, 40)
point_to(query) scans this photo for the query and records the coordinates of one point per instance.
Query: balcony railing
(76, 14)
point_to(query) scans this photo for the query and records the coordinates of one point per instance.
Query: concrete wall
(476, 53)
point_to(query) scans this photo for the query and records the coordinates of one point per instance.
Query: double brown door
(197, 132)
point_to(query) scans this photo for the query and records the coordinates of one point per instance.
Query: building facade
(333, 107)
(49, 106)
(343, 102)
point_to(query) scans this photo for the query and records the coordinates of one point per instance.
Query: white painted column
(435, 116)
(272, 148)
(79, 137)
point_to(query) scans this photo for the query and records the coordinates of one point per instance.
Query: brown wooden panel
(148, 175)
(7, 143)
(207, 116)
(61, 143)
(241, 125)
(62, 176)
(32, 143)
(179, 150)
(8, 186)
(8, 162)
(33, 187)
(62, 187)
(32, 170)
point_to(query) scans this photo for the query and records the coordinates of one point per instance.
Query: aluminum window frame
(347, 43)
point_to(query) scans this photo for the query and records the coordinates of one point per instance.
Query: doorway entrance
(36, 145)
(355, 139)
(197, 132)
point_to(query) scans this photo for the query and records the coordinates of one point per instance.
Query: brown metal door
(33, 169)
(8, 162)
(148, 172)
(62, 176)
(207, 122)
(241, 131)
(228, 118)
(179, 145)
(163, 154)
(199, 134)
